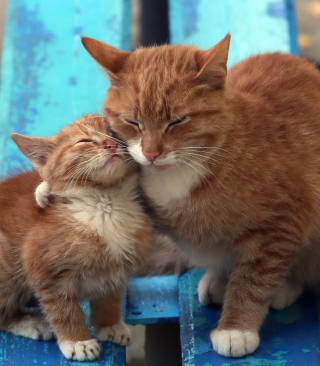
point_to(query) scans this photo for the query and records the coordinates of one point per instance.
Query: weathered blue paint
(288, 337)
(255, 26)
(48, 79)
(152, 300)
(20, 351)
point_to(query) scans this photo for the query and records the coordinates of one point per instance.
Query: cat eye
(86, 140)
(132, 123)
(177, 121)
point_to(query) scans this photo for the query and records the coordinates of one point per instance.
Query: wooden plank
(48, 79)
(152, 300)
(255, 26)
(20, 351)
(288, 337)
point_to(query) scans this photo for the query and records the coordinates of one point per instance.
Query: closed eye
(177, 121)
(132, 123)
(85, 140)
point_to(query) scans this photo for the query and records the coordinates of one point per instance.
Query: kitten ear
(110, 58)
(36, 149)
(213, 64)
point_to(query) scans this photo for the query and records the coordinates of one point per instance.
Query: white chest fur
(114, 214)
(174, 183)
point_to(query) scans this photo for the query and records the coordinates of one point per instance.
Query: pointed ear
(213, 64)
(36, 149)
(110, 58)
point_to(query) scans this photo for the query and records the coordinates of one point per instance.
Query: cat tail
(165, 258)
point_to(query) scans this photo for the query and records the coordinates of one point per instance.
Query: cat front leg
(107, 320)
(67, 320)
(262, 266)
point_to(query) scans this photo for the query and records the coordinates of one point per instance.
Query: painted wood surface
(288, 337)
(20, 351)
(255, 25)
(47, 78)
(47, 81)
(152, 300)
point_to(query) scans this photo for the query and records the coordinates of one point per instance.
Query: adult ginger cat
(84, 246)
(231, 168)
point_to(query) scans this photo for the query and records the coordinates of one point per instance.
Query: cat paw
(286, 295)
(32, 326)
(118, 333)
(234, 343)
(81, 350)
(211, 290)
(41, 194)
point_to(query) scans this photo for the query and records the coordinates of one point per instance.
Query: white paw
(118, 333)
(234, 343)
(41, 194)
(32, 326)
(211, 289)
(80, 350)
(286, 295)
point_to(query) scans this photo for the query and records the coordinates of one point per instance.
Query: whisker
(209, 171)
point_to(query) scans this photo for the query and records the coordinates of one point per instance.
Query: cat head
(82, 153)
(165, 100)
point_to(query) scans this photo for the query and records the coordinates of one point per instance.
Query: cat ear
(213, 64)
(110, 58)
(36, 149)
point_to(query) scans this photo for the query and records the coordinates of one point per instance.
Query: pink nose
(111, 145)
(151, 156)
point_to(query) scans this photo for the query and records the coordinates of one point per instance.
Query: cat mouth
(113, 158)
(110, 160)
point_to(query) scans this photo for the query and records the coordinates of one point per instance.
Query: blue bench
(48, 80)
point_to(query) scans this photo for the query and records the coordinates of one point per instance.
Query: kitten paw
(80, 350)
(234, 343)
(41, 194)
(33, 326)
(211, 289)
(286, 295)
(118, 333)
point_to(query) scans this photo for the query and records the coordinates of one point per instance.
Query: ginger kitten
(84, 246)
(230, 166)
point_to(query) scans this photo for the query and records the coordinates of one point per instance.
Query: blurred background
(150, 15)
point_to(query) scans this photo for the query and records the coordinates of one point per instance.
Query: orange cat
(84, 246)
(231, 168)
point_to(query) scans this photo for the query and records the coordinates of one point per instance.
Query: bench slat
(20, 351)
(48, 79)
(288, 337)
(152, 300)
(255, 26)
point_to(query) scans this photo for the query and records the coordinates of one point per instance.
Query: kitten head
(165, 100)
(83, 153)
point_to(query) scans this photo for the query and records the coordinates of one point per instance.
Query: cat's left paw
(211, 289)
(118, 333)
(234, 343)
(41, 194)
(287, 294)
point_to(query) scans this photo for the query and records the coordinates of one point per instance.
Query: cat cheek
(135, 150)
